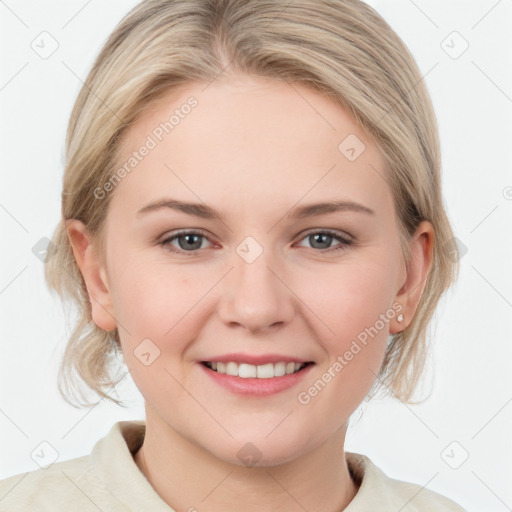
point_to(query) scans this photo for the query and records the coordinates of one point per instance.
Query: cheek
(355, 304)
(150, 301)
(152, 308)
(352, 298)
(145, 288)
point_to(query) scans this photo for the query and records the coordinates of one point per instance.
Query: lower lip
(257, 387)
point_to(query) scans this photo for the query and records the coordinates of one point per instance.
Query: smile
(248, 371)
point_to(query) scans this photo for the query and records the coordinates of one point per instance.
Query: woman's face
(263, 279)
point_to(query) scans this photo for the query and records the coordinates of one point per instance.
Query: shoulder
(105, 479)
(419, 498)
(379, 491)
(62, 486)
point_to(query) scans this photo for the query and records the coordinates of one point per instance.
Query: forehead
(249, 140)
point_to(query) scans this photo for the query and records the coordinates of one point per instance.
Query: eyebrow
(206, 212)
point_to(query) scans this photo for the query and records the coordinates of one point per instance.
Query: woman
(252, 218)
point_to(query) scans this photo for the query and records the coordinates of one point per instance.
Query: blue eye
(190, 241)
(187, 241)
(327, 236)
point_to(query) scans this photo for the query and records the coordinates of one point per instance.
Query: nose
(255, 294)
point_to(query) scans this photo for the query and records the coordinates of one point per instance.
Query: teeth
(264, 371)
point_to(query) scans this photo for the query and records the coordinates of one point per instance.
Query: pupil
(189, 243)
(323, 235)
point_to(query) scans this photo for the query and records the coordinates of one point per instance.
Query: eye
(188, 241)
(325, 237)
(191, 241)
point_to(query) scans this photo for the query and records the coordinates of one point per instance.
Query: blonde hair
(342, 48)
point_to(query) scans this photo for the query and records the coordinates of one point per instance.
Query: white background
(471, 400)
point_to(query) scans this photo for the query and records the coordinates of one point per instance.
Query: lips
(245, 384)
(255, 360)
(247, 371)
(248, 366)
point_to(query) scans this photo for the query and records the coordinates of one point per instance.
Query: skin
(253, 149)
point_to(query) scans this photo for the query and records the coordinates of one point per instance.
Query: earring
(400, 317)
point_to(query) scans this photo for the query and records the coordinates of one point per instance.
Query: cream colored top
(108, 480)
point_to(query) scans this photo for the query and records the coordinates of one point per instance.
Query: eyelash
(344, 241)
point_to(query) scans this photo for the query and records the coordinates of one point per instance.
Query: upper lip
(256, 360)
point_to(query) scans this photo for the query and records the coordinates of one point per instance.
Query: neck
(187, 478)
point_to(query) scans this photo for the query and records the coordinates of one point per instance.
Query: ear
(94, 274)
(416, 272)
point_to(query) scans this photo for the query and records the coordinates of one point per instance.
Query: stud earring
(400, 317)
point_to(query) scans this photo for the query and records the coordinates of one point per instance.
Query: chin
(257, 451)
